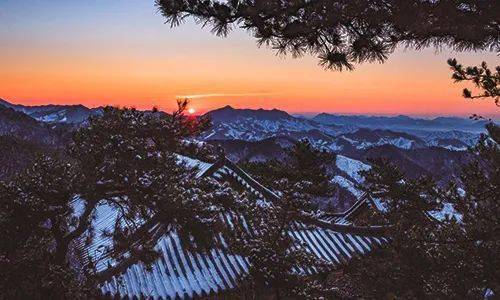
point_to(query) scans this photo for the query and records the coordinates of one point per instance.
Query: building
(180, 273)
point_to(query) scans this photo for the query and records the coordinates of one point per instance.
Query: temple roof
(182, 273)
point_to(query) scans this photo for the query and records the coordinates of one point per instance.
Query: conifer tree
(123, 159)
(343, 33)
(302, 162)
(483, 79)
(432, 255)
(278, 261)
(35, 215)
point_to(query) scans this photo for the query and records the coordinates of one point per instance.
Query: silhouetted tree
(128, 160)
(302, 162)
(431, 255)
(483, 78)
(278, 261)
(35, 213)
(341, 32)
(124, 159)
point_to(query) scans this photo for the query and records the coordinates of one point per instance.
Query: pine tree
(35, 215)
(278, 262)
(479, 207)
(128, 160)
(125, 159)
(302, 162)
(343, 33)
(432, 256)
(483, 78)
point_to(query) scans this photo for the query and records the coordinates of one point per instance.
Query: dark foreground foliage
(302, 162)
(125, 159)
(433, 256)
(278, 262)
(342, 33)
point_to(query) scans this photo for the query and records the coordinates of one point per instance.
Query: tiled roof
(180, 273)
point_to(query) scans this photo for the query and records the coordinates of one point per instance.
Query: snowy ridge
(253, 129)
(256, 125)
(348, 185)
(352, 167)
(71, 114)
(399, 142)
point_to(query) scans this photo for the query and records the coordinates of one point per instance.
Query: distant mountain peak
(228, 113)
(54, 113)
(259, 124)
(402, 122)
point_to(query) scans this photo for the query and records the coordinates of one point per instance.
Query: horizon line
(306, 114)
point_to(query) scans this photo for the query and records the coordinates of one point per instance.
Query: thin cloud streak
(197, 96)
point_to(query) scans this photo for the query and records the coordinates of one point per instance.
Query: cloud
(197, 96)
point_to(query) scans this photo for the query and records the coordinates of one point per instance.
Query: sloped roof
(182, 274)
(351, 213)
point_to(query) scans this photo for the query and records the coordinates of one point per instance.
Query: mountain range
(69, 114)
(402, 123)
(254, 125)
(324, 130)
(403, 132)
(418, 146)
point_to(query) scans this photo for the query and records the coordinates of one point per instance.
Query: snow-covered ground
(348, 185)
(352, 167)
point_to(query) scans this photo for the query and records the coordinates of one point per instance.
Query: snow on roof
(192, 163)
(352, 167)
(348, 185)
(182, 274)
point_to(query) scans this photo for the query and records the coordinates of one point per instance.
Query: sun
(191, 111)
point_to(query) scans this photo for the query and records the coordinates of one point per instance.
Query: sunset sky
(120, 52)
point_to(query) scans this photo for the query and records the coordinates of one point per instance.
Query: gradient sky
(120, 52)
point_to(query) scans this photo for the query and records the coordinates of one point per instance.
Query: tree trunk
(277, 293)
(61, 254)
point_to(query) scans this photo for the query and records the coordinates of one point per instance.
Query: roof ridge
(250, 180)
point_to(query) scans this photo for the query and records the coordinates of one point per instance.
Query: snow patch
(352, 167)
(348, 185)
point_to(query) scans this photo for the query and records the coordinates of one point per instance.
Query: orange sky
(122, 54)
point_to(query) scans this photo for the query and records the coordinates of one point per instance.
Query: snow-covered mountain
(351, 167)
(23, 127)
(402, 123)
(254, 125)
(259, 135)
(329, 132)
(69, 114)
(349, 134)
(452, 139)
(350, 174)
(448, 132)
(365, 138)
